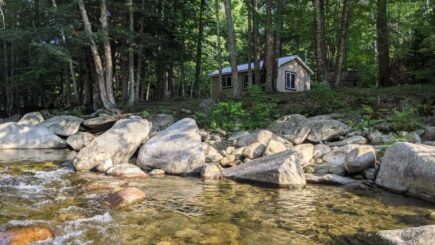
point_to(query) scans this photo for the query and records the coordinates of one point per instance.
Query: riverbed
(43, 188)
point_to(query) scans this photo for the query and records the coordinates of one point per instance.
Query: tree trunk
(232, 47)
(269, 60)
(383, 44)
(249, 43)
(199, 48)
(256, 36)
(342, 46)
(107, 53)
(132, 85)
(140, 54)
(99, 71)
(124, 76)
(218, 44)
(319, 14)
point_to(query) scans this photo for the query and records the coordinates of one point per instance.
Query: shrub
(406, 119)
(326, 99)
(228, 116)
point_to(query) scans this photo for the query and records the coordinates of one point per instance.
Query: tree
(256, 41)
(268, 56)
(319, 14)
(232, 47)
(199, 48)
(383, 44)
(218, 44)
(342, 46)
(132, 85)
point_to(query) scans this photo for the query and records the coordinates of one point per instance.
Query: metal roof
(244, 67)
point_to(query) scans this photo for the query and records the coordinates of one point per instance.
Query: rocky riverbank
(292, 151)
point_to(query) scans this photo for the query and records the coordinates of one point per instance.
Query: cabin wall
(226, 92)
(303, 80)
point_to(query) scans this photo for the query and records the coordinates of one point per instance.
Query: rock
(211, 154)
(424, 235)
(330, 179)
(357, 139)
(429, 134)
(14, 136)
(79, 140)
(305, 152)
(185, 111)
(128, 171)
(176, 150)
(338, 155)
(13, 118)
(226, 161)
(104, 185)
(409, 168)
(211, 171)
(106, 165)
(230, 150)
(126, 197)
(117, 144)
(294, 128)
(100, 123)
(323, 130)
(413, 137)
(320, 150)
(62, 125)
(26, 235)
(31, 119)
(221, 132)
(234, 138)
(157, 172)
(254, 150)
(274, 147)
(360, 159)
(370, 174)
(161, 122)
(376, 137)
(283, 169)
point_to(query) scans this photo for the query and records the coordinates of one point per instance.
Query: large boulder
(100, 123)
(62, 125)
(14, 136)
(424, 235)
(323, 130)
(32, 118)
(429, 134)
(359, 159)
(176, 150)
(116, 145)
(260, 136)
(79, 140)
(26, 235)
(282, 169)
(305, 151)
(409, 168)
(294, 128)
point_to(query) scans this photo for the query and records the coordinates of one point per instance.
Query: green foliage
(406, 119)
(326, 99)
(256, 93)
(364, 124)
(228, 116)
(146, 114)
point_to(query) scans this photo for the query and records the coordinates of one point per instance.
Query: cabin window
(290, 80)
(226, 82)
(246, 81)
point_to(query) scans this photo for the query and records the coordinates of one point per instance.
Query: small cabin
(293, 76)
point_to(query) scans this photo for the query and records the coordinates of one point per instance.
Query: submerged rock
(126, 197)
(117, 144)
(283, 169)
(176, 150)
(211, 171)
(26, 235)
(79, 140)
(62, 125)
(14, 136)
(31, 119)
(330, 179)
(409, 168)
(128, 171)
(424, 235)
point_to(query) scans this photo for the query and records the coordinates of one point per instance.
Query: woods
(92, 54)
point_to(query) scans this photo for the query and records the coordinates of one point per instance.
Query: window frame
(292, 88)
(225, 84)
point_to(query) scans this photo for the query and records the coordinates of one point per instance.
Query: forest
(90, 54)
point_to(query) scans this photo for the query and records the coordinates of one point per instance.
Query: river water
(185, 210)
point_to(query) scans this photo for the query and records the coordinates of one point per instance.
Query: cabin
(293, 76)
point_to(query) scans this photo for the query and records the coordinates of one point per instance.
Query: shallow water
(190, 211)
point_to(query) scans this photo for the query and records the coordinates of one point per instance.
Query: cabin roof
(244, 67)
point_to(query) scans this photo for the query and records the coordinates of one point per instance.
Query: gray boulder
(429, 134)
(32, 118)
(409, 168)
(294, 128)
(161, 122)
(320, 150)
(260, 136)
(176, 150)
(356, 139)
(360, 159)
(79, 140)
(62, 125)
(329, 179)
(100, 123)
(14, 136)
(323, 130)
(282, 169)
(116, 145)
(422, 235)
